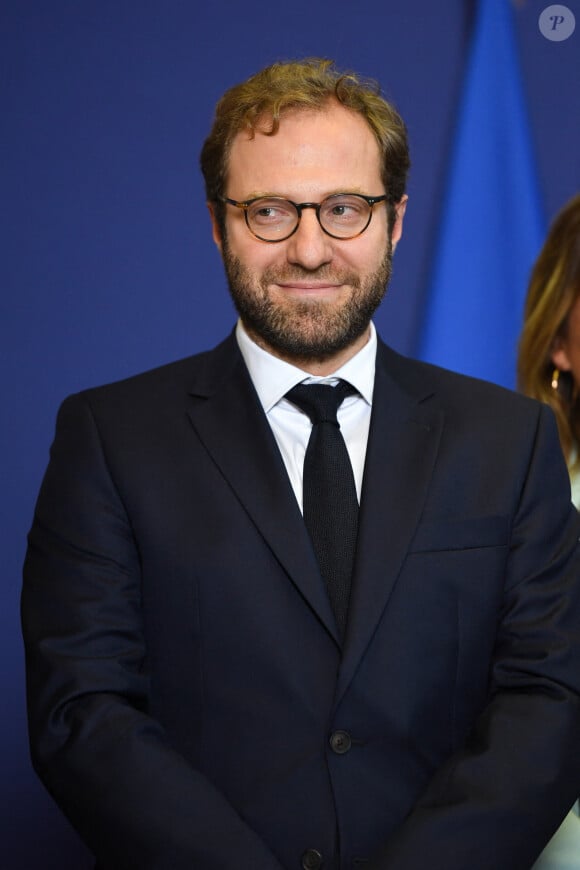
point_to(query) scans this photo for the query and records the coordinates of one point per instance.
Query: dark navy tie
(329, 491)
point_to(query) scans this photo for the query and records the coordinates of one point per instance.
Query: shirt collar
(272, 377)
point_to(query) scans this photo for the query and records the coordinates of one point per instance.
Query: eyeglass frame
(299, 206)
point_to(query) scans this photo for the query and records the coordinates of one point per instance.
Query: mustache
(281, 274)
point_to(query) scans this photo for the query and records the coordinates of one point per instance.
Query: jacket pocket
(461, 534)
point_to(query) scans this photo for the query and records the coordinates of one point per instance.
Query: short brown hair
(553, 289)
(306, 84)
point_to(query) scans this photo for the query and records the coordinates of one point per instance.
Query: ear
(397, 230)
(215, 229)
(559, 355)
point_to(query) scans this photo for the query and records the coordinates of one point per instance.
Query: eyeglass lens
(343, 216)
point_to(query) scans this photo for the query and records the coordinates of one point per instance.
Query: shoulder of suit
(454, 390)
(173, 378)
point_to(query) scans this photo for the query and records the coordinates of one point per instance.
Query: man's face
(310, 297)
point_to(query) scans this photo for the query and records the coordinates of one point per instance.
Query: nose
(309, 247)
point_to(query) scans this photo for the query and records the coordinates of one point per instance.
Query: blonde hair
(299, 85)
(552, 292)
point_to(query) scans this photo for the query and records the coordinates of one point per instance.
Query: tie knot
(320, 401)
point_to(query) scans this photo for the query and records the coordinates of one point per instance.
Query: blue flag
(492, 226)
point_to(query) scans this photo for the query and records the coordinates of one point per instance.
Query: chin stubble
(300, 329)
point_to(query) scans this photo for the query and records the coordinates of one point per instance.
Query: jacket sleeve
(109, 765)
(497, 800)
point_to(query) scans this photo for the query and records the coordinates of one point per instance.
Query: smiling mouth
(309, 286)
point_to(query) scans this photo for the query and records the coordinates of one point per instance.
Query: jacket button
(311, 860)
(340, 742)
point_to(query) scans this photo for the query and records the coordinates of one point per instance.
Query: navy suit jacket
(189, 702)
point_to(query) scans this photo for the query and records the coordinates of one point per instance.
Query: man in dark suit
(208, 686)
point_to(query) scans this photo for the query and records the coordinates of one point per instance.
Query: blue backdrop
(491, 226)
(107, 263)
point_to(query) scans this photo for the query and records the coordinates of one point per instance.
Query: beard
(298, 330)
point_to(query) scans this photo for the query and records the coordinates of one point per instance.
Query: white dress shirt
(272, 378)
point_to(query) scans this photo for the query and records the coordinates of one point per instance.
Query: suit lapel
(229, 420)
(403, 442)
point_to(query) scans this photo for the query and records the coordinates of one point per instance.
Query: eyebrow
(269, 194)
